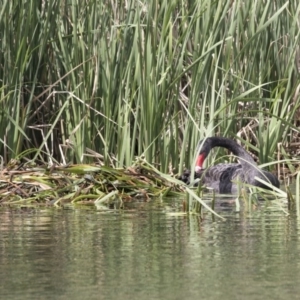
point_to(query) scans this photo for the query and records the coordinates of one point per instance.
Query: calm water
(145, 252)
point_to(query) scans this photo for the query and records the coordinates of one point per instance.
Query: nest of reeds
(84, 184)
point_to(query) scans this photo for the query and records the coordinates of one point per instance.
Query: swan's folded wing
(220, 177)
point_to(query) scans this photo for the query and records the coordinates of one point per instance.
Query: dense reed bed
(83, 81)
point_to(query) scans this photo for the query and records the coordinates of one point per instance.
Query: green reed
(149, 78)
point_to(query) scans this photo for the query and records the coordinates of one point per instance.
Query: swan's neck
(245, 159)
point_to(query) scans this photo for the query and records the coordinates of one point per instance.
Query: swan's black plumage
(223, 178)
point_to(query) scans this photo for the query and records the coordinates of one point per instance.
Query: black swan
(220, 177)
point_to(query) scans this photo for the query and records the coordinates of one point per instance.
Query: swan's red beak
(199, 162)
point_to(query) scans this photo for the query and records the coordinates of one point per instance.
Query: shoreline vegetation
(104, 84)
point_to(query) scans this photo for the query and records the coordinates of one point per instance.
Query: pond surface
(147, 252)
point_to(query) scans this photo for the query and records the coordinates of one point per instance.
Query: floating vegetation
(85, 184)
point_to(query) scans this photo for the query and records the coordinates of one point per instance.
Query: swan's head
(199, 162)
(204, 148)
